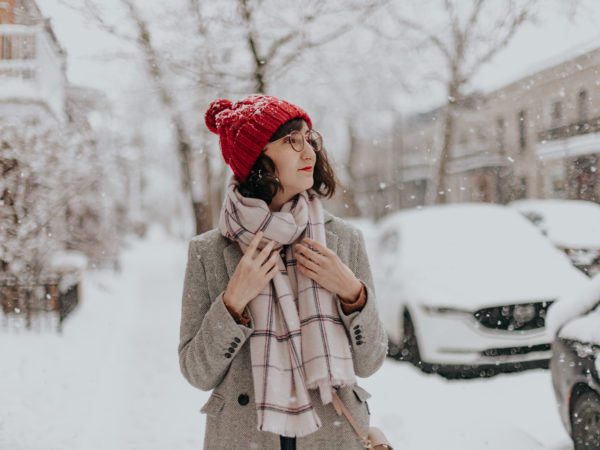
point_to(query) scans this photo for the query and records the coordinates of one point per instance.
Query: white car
(468, 285)
(571, 225)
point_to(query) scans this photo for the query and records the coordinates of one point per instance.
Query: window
(522, 130)
(582, 105)
(522, 189)
(556, 114)
(500, 134)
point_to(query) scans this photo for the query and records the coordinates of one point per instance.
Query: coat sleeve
(209, 337)
(366, 331)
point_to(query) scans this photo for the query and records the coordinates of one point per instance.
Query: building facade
(32, 64)
(538, 137)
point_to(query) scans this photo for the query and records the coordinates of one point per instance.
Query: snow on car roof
(472, 255)
(568, 223)
(570, 313)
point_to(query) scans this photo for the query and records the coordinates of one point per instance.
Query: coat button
(356, 327)
(236, 339)
(243, 399)
(227, 355)
(359, 337)
(359, 342)
(231, 349)
(357, 331)
(234, 345)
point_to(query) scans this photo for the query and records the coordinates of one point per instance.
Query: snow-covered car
(572, 225)
(575, 363)
(468, 285)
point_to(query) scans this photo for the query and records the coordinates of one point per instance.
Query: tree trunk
(259, 63)
(349, 195)
(204, 221)
(441, 192)
(153, 66)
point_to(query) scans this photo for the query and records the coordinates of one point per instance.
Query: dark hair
(262, 182)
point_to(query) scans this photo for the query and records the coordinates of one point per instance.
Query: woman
(278, 301)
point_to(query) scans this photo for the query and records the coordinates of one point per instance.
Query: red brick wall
(7, 14)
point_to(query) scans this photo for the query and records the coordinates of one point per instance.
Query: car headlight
(526, 316)
(443, 310)
(524, 313)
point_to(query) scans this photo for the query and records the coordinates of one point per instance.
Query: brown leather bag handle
(378, 440)
(340, 409)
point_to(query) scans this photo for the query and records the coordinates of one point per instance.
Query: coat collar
(232, 255)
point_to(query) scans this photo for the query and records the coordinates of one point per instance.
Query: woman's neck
(279, 200)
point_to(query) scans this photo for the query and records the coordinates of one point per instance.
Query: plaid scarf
(299, 341)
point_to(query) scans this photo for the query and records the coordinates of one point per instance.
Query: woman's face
(294, 169)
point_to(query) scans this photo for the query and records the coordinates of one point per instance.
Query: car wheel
(410, 347)
(585, 421)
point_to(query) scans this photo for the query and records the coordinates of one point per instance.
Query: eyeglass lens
(313, 137)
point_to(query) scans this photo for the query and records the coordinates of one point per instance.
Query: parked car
(575, 364)
(468, 285)
(571, 225)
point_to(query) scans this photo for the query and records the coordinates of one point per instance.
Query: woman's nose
(308, 148)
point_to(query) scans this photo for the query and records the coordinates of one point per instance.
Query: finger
(254, 243)
(316, 245)
(310, 254)
(305, 262)
(265, 252)
(272, 261)
(272, 272)
(307, 272)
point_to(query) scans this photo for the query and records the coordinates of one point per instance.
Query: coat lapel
(232, 258)
(332, 241)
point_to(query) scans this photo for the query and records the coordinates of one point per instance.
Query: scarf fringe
(290, 430)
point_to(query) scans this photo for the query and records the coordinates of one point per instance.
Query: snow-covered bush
(52, 197)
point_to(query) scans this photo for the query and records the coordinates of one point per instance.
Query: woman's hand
(326, 268)
(251, 275)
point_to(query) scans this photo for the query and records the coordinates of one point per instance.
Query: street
(112, 381)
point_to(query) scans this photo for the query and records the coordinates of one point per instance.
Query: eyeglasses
(296, 140)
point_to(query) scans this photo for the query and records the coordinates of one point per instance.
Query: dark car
(575, 366)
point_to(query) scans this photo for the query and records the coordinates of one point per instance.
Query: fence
(58, 295)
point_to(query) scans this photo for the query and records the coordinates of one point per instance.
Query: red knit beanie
(245, 127)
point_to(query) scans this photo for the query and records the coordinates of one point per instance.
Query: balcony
(477, 160)
(31, 68)
(567, 131)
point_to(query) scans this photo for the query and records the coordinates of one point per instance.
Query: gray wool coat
(214, 350)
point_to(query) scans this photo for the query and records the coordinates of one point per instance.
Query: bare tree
(154, 67)
(467, 35)
(223, 49)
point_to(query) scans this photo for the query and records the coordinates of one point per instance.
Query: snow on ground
(112, 381)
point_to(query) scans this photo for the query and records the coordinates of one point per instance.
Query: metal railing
(570, 130)
(27, 301)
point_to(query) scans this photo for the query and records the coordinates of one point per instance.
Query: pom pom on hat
(245, 127)
(216, 107)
